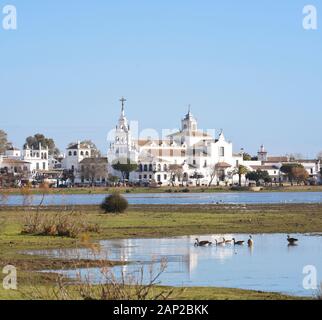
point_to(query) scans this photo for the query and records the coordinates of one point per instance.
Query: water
(271, 265)
(185, 198)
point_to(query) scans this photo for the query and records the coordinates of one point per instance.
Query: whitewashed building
(189, 156)
(74, 155)
(38, 158)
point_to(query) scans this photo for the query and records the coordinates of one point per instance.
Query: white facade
(74, 155)
(38, 158)
(189, 156)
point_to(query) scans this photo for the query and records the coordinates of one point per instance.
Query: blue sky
(245, 66)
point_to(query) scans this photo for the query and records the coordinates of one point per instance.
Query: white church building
(189, 156)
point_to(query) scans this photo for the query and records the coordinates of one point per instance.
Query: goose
(250, 242)
(238, 243)
(228, 241)
(202, 243)
(220, 243)
(291, 241)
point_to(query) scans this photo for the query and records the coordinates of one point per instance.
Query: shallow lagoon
(271, 265)
(175, 198)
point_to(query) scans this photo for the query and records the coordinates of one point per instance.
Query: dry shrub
(62, 224)
(127, 287)
(27, 196)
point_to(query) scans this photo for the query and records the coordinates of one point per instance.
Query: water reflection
(270, 265)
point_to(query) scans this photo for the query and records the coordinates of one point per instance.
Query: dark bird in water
(202, 243)
(292, 241)
(250, 241)
(238, 243)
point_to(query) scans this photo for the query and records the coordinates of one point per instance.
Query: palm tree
(241, 170)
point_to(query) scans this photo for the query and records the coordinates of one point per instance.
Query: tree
(93, 169)
(258, 176)
(299, 174)
(125, 167)
(33, 142)
(212, 173)
(113, 179)
(176, 171)
(247, 157)
(241, 170)
(4, 144)
(289, 169)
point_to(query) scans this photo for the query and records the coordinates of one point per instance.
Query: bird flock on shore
(250, 242)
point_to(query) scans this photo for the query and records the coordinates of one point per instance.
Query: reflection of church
(182, 258)
(194, 155)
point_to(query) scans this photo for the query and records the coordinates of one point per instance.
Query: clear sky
(245, 66)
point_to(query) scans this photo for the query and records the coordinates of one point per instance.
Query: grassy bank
(151, 221)
(171, 189)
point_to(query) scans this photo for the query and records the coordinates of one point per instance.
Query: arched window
(159, 167)
(70, 153)
(87, 153)
(165, 168)
(82, 153)
(75, 153)
(145, 167)
(150, 167)
(141, 167)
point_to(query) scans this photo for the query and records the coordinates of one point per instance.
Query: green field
(149, 221)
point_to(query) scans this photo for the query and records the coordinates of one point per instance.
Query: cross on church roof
(123, 100)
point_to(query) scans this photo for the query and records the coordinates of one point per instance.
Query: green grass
(196, 293)
(152, 221)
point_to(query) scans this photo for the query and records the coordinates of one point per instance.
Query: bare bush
(129, 286)
(62, 224)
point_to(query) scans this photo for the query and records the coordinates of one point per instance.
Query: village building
(189, 156)
(38, 158)
(75, 153)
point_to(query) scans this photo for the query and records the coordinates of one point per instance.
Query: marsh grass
(62, 224)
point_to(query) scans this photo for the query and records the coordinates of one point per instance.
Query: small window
(75, 153)
(70, 153)
(221, 152)
(82, 153)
